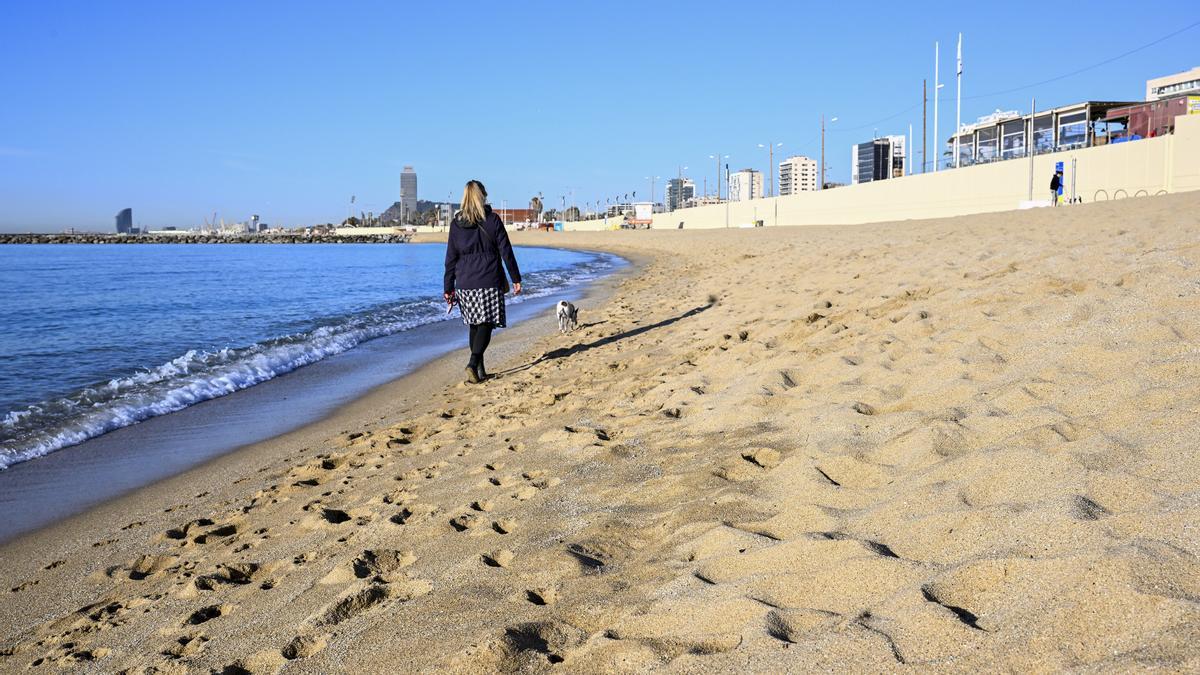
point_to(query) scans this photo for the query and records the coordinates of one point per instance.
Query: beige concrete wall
(593, 225)
(1145, 167)
(1185, 154)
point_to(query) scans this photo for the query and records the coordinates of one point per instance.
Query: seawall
(1147, 167)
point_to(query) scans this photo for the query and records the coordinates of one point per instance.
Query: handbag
(504, 287)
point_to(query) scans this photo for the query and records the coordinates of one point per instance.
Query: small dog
(568, 317)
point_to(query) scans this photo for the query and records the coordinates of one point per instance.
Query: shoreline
(917, 444)
(27, 486)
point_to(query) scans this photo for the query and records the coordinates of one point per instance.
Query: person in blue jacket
(477, 251)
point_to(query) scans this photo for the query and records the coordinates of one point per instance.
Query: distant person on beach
(1055, 184)
(474, 276)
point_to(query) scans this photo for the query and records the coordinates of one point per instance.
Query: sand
(962, 444)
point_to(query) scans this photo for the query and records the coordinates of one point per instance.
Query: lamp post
(937, 86)
(718, 158)
(771, 164)
(831, 121)
(958, 107)
(652, 180)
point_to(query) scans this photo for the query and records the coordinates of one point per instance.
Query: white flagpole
(937, 141)
(958, 105)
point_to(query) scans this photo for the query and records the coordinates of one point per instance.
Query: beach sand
(961, 444)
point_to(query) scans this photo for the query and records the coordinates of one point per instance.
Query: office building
(125, 221)
(445, 214)
(745, 185)
(797, 174)
(1169, 85)
(679, 190)
(408, 195)
(878, 159)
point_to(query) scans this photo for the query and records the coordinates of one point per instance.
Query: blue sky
(286, 109)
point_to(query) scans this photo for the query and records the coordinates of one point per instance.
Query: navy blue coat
(474, 252)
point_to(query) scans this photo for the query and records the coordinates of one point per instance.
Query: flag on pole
(960, 53)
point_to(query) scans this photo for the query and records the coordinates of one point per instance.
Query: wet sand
(68, 481)
(962, 444)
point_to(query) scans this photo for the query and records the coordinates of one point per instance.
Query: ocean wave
(200, 375)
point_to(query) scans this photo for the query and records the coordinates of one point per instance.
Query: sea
(95, 338)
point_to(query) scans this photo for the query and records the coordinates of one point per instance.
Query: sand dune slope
(960, 444)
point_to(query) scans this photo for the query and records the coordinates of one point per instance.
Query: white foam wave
(198, 375)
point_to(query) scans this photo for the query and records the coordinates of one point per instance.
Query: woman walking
(474, 274)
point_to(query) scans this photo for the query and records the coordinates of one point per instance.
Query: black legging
(481, 335)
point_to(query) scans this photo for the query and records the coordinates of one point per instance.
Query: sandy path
(958, 444)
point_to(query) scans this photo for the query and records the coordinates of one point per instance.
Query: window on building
(966, 150)
(1072, 130)
(1043, 134)
(1013, 144)
(987, 145)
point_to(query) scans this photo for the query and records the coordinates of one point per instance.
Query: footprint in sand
(303, 646)
(357, 601)
(501, 558)
(379, 563)
(542, 595)
(464, 522)
(414, 513)
(206, 614)
(185, 645)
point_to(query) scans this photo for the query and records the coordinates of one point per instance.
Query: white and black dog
(568, 317)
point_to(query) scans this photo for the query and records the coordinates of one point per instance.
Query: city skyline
(244, 111)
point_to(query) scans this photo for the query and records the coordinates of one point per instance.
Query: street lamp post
(771, 164)
(937, 86)
(831, 121)
(652, 180)
(718, 158)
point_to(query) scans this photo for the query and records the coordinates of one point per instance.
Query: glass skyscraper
(125, 221)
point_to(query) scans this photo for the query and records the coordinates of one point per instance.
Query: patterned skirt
(481, 305)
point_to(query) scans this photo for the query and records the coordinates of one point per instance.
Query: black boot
(472, 370)
(479, 369)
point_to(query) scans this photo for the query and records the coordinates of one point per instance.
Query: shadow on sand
(564, 352)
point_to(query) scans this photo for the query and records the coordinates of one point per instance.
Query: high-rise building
(125, 221)
(1170, 85)
(679, 190)
(408, 195)
(745, 184)
(878, 159)
(797, 174)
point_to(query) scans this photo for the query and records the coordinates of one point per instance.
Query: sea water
(98, 337)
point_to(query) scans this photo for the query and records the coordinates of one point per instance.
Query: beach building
(510, 216)
(701, 201)
(1006, 134)
(877, 159)
(679, 190)
(1187, 82)
(125, 221)
(1148, 119)
(797, 174)
(408, 195)
(745, 185)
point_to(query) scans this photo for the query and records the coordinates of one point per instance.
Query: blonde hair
(473, 199)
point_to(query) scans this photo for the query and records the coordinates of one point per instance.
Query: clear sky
(180, 109)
